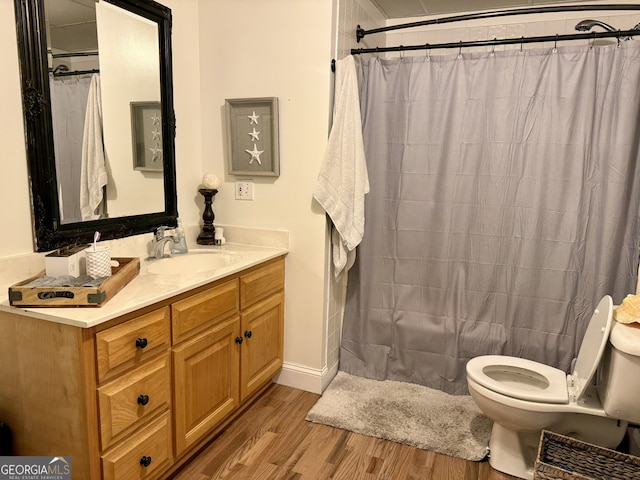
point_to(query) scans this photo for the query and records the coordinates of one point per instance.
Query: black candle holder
(208, 230)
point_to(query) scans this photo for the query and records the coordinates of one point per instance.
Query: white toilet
(523, 397)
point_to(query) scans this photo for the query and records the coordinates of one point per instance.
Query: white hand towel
(343, 180)
(93, 175)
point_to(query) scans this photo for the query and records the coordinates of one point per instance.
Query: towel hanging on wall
(343, 180)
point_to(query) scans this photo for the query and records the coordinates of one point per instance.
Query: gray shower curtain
(504, 204)
(68, 108)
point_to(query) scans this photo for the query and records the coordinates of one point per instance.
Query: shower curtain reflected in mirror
(68, 106)
(504, 204)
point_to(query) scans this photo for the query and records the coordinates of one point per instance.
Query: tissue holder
(66, 261)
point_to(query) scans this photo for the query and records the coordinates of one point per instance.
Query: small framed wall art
(146, 136)
(252, 136)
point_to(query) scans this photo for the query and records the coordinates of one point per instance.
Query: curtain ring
(460, 50)
(555, 44)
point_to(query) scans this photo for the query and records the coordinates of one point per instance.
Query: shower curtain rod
(504, 41)
(75, 72)
(361, 33)
(78, 54)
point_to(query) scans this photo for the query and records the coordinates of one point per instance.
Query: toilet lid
(593, 345)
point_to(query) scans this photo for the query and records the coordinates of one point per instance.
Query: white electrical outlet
(244, 190)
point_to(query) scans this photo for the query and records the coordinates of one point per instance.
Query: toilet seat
(528, 380)
(519, 378)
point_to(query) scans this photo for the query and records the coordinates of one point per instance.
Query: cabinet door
(205, 382)
(262, 346)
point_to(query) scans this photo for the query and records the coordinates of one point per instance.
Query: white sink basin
(196, 261)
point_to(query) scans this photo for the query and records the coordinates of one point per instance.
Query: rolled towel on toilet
(629, 310)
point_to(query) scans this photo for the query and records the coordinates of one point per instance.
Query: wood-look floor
(273, 441)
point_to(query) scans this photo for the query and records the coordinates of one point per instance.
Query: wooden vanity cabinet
(230, 345)
(135, 397)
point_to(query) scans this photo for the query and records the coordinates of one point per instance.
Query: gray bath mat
(405, 413)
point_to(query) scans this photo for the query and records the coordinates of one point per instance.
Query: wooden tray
(23, 296)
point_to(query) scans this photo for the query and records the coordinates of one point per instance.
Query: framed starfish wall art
(252, 136)
(146, 136)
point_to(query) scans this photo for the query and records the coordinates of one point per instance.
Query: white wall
(502, 27)
(14, 182)
(280, 48)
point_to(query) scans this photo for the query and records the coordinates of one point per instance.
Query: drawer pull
(248, 333)
(141, 342)
(145, 461)
(143, 399)
(238, 340)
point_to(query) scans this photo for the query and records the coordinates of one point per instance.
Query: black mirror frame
(49, 232)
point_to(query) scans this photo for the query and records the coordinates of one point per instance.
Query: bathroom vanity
(135, 388)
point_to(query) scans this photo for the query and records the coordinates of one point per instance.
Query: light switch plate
(244, 190)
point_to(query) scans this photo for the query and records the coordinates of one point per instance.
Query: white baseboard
(305, 378)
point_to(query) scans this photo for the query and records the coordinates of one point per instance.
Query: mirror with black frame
(99, 120)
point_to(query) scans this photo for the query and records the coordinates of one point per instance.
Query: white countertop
(144, 290)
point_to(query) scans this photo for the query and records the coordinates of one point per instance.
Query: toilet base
(513, 453)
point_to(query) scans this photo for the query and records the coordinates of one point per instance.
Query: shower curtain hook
(428, 50)
(593, 42)
(521, 43)
(401, 54)
(618, 39)
(460, 50)
(555, 44)
(493, 47)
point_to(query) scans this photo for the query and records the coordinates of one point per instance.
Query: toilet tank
(619, 379)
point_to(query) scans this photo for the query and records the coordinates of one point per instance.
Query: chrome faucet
(160, 241)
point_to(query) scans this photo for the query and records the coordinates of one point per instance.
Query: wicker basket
(565, 458)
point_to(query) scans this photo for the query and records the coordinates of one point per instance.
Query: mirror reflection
(99, 122)
(106, 114)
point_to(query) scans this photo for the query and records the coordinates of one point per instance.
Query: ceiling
(414, 8)
(71, 25)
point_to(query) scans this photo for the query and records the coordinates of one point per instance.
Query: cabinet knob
(145, 461)
(143, 399)
(141, 342)
(238, 340)
(248, 333)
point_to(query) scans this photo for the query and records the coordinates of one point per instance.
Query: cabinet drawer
(130, 343)
(132, 398)
(261, 283)
(150, 446)
(203, 310)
